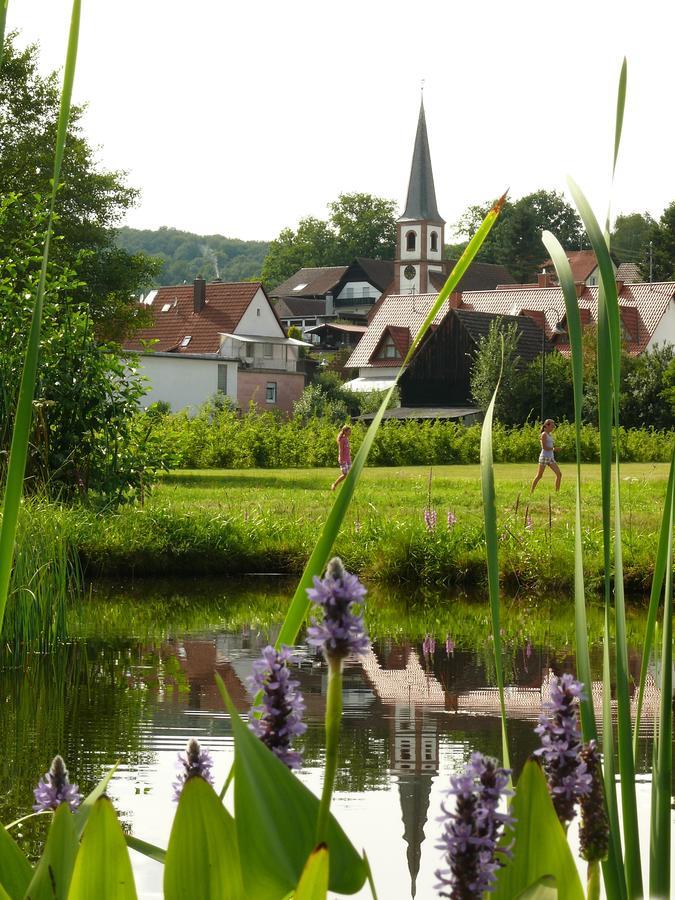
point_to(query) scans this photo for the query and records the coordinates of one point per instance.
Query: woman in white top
(546, 457)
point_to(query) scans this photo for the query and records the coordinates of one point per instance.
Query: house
(217, 336)
(584, 266)
(335, 335)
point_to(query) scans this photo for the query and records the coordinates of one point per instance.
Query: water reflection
(137, 680)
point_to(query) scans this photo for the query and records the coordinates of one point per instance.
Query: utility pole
(651, 262)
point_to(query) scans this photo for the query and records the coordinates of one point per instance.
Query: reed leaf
(320, 555)
(23, 418)
(662, 770)
(492, 554)
(3, 22)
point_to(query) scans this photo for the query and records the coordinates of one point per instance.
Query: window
(166, 307)
(410, 240)
(365, 291)
(434, 242)
(186, 340)
(268, 351)
(222, 379)
(257, 312)
(388, 349)
(271, 392)
(299, 287)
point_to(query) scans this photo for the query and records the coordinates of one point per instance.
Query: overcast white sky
(240, 118)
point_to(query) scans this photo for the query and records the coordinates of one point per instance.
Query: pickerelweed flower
(452, 519)
(340, 631)
(429, 645)
(568, 778)
(472, 830)
(280, 714)
(430, 519)
(193, 763)
(594, 828)
(55, 789)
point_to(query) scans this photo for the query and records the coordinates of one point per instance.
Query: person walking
(344, 455)
(546, 457)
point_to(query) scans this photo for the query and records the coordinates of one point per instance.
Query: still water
(136, 682)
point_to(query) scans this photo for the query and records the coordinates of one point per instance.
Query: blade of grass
(3, 22)
(492, 553)
(320, 555)
(665, 541)
(659, 849)
(609, 372)
(22, 422)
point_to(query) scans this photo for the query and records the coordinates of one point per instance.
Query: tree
(487, 365)
(90, 201)
(515, 240)
(647, 398)
(358, 225)
(630, 237)
(662, 237)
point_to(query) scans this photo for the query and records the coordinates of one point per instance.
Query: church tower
(420, 230)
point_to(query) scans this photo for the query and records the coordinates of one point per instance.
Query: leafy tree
(358, 225)
(90, 202)
(487, 366)
(515, 240)
(630, 237)
(87, 433)
(662, 237)
(647, 399)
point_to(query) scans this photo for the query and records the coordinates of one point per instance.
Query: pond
(136, 682)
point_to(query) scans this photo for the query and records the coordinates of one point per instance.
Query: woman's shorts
(545, 460)
(345, 467)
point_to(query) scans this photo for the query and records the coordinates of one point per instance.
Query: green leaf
(544, 889)
(102, 868)
(314, 882)
(202, 859)
(540, 849)
(149, 850)
(55, 868)
(85, 808)
(276, 819)
(15, 870)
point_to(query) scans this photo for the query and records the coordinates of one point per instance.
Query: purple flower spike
(430, 519)
(55, 789)
(449, 645)
(566, 771)
(341, 630)
(194, 762)
(472, 830)
(280, 718)
(452, 519)
(429, 645)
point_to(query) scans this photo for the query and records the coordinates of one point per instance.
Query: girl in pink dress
(344, 455)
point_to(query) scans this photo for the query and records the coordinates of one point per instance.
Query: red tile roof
(226, 303)
(582, 263)
(401, 337)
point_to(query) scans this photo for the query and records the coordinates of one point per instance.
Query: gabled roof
(401, 338)
(421, 202)
(175, 319)
(310, 282)
(478, 325)
(379, 272)
(292, 307)
(629, 271)
(479, 276)
(582, 264)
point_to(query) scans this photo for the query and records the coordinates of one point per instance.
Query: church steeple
(420, 230)
(421, 202)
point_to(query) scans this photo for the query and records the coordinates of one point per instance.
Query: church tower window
(433, 245)
(410, 241)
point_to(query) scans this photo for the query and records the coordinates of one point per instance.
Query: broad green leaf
(85, 808)
(314, 881)
(540, 849)
(202, 859)
(492, 553)
(149, 850)
(102, 868)
(276, 819)
(544, 889)
(3, 20)
(55, 868)
(15, 870)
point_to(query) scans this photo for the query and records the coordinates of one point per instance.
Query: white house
(217, 336)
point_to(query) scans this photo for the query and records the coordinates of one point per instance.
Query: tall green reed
(24, 410)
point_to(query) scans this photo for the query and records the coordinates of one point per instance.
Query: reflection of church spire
(414, 790)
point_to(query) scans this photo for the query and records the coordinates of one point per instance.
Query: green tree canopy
(662, 237)
(358, 225)
(630, 237)
(515, 241)
(91, 200)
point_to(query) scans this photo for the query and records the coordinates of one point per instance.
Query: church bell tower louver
(420, 230)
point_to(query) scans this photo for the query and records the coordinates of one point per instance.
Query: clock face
(410, 272)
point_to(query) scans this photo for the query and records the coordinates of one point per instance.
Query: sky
(241, 118)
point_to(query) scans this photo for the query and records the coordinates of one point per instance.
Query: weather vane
(422, 87)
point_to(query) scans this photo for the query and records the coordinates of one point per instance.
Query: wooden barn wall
(439, 375)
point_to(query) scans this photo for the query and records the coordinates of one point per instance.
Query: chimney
(455, 300)
(580, 287)
(199, 294)
(544, 280)
(330, 305)
(619, 287)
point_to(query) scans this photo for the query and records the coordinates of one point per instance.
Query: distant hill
(187, 255)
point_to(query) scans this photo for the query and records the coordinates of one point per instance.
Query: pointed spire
(421, 202)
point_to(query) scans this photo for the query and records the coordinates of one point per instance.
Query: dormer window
(433, 242)
(410, 241)
(186, 340)
(388, 350)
